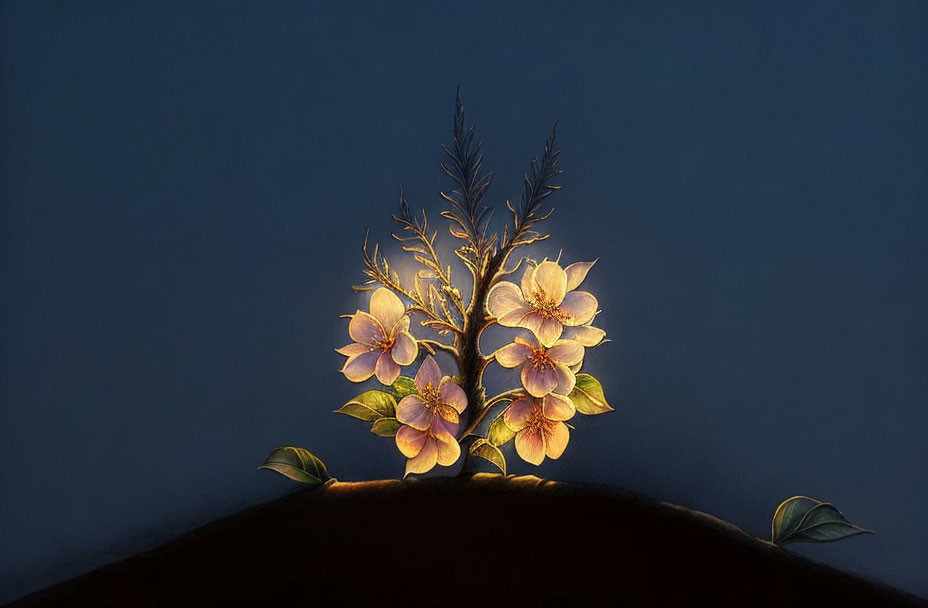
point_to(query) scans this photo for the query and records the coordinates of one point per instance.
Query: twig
(441, 346)
(492, 401)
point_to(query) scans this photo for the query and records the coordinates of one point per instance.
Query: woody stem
(471, 362)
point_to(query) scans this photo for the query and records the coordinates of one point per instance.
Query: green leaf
(297, 464)
(370, 406)
(404, 385)
(385, 427)
(499, 433)
(588, 396)
(801, 519)
(489, 452)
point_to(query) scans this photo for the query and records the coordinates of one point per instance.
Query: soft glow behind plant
(432, 413)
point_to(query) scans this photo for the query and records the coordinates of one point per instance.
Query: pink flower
(546, 301)
(430, 420)
(544, 370)
(382, 342)
(539, 426)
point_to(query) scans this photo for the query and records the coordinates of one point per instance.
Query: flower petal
(387, 371)
(365, 329)
(556, 438)
(550, 282)
(410, 410)
(530, 445)
(576, 272)
(440, 425)
(504, 298)
(518, 413)
(448, 414)
(401, 325)
(528, 285)
(579, 308)
(404, 349)
(512, 355)
(549, 330)
(539, 380)
(410, 441)
(587, 335)
(566, 379)
(429, 373)
(558, 407)
(361, 367)
(520, 317)
(425, 460)
(448, 449)
(452, 394)
(353, 350)
(386, 307)
(568, 352)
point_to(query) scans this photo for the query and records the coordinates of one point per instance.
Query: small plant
(432, 413)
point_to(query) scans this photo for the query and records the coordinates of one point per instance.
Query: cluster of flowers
(549, 355)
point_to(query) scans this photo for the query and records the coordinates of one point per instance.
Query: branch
(430, 345)
(537, 187)
(422, 247)
(468, 215)
(377, 269)
(490, 403)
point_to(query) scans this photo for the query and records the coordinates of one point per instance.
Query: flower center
(431, 398)
(544, 306)
(540, 358)
(537, 421)
(385, 344)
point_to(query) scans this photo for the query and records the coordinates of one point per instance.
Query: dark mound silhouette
(467, 541)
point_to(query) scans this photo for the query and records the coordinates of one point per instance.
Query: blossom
(382, 342)
(430, 420)
(546, 300)
(539, 426)
(544, 370)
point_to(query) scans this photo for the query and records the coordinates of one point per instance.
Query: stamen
(545, 307)
(430, 396)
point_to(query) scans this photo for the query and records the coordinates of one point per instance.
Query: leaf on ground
(298, 464)
(801, 519)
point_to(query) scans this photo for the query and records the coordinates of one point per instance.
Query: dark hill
(484, 540)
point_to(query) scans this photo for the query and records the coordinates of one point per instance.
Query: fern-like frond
(417, 240)
(468, 215)
(537, 187)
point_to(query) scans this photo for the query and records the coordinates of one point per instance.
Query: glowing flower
(382, 342)
(544, 370)
(539, 426)
(430, 420)
(546, 301)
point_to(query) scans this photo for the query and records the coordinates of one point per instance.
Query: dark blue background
(184, 193)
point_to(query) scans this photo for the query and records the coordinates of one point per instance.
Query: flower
(382, 342)
(546, 301)
(539, 426)
(544, 370)
(430, 420)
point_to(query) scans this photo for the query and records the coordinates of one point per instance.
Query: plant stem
(491, 402)
(471, 362)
